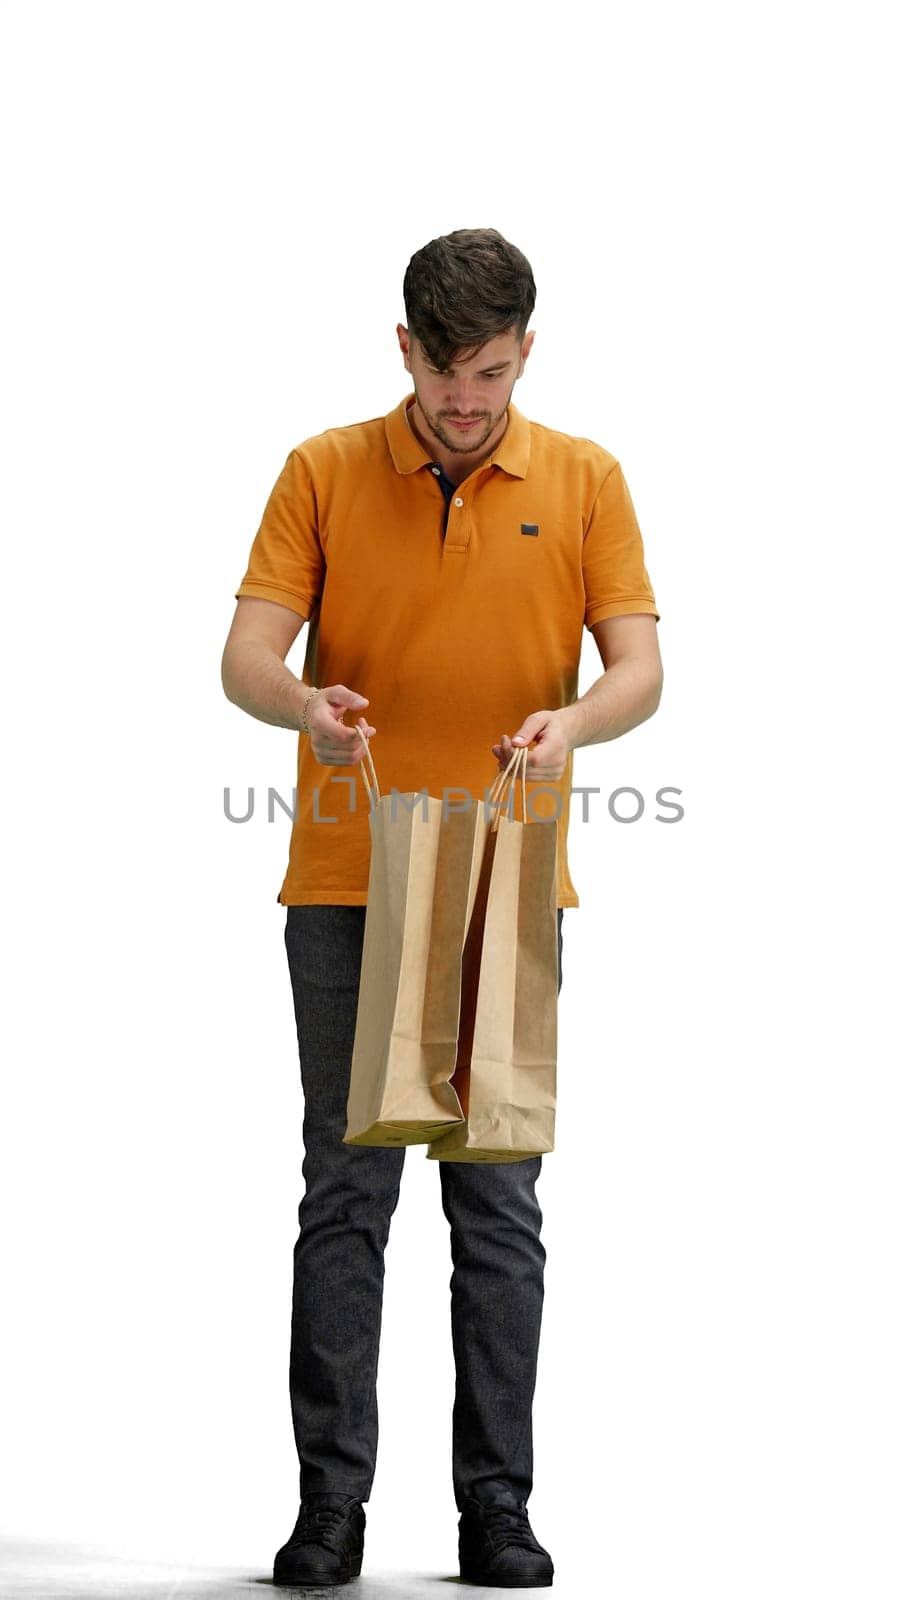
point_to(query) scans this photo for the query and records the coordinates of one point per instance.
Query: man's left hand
(546, 731)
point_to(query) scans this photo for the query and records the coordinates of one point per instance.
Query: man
(447, 558)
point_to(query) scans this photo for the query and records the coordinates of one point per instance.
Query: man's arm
(631, 686)
(255, 678)
(627, 694)
(254, 675)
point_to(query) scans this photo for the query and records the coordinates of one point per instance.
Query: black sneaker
(498, 1549)
(326, 1545)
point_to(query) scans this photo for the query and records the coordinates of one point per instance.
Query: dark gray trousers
(350, 1194)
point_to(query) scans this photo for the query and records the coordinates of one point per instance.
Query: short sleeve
(286, 560)
(616, 581)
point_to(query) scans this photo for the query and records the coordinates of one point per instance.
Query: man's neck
(455, 466)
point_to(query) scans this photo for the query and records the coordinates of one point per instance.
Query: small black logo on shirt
(530, 527)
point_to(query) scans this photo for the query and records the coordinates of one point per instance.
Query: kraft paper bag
(423, 869)
(505, 1073)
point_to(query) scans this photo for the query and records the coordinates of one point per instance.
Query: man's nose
(461, 398)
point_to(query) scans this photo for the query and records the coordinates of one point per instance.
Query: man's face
(466, 404)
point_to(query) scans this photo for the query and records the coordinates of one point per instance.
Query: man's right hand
(335, 743)
(256, 678)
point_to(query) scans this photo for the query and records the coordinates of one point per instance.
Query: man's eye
(436, 372)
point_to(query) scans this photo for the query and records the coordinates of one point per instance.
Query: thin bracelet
(304, 724)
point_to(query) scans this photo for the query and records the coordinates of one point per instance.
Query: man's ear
(403, 338)
(527, 342)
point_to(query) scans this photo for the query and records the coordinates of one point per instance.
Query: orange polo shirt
(455, 633)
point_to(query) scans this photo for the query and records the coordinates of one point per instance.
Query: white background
(209, 212)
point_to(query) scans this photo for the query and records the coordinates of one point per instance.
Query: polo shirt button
(436, 471)
(457, 502)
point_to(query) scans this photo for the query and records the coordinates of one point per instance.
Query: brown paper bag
(505, 1073)
(421, 890)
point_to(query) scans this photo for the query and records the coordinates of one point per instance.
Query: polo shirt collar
(512, 453)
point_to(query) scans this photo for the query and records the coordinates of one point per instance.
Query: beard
(462, 444)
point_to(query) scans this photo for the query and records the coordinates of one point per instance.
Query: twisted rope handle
(367, 756)
(514, 768)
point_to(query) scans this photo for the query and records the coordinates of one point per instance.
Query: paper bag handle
(367, 756)
(514, 768)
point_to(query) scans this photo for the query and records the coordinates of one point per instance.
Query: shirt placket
(459, 522)
(457, 512)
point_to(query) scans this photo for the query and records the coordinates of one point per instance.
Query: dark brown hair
(465, 288)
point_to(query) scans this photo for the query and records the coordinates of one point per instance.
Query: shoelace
(503, 1526)
(320, 1525)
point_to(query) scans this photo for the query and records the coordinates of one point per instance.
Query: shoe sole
(300, 1580)
(484, 1580)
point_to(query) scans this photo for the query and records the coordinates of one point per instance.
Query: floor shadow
(46, 1571)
